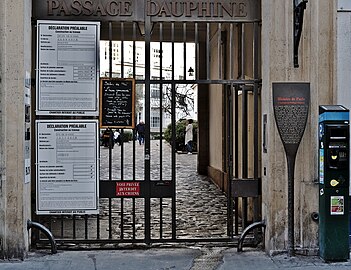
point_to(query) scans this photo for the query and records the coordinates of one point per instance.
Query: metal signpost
(291, 103)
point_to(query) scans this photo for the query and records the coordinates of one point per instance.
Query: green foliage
(155, 135)
(180, 135)
(127, 136)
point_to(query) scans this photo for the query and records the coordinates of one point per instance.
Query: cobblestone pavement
(201, 210)
(200, 206)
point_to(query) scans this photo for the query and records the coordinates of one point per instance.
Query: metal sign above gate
(157, 10)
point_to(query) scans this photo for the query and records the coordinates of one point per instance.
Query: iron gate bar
(122, 219)
(173, 116)
(122, 50)
(256, 116)
(134, 136)
(98, 226)
(244, 149)
(236, 154)
(208, 52)
(61, 226)
(110, 48)
(148, 28)
(86, 226)
(229, 89)
(236, 82)
(225, 98)
(122, 76)
(196, 52)
(219, 51)
(122, 135)
(161, 124)
(231, 41)
(184, 51)
(64, 242)
(110, 143)
(74, 227)
(244, 126)
(134, 49)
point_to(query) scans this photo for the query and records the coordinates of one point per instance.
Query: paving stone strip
(210, 259)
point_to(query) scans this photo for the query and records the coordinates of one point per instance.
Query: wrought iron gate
(226, 59)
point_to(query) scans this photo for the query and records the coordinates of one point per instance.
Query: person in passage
(140, 128)
(189, 136)
(106, 138)
(117, 137)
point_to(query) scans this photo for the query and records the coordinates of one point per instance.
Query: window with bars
(155, 118)
(155, 121)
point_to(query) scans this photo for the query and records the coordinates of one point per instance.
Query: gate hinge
(230, 160)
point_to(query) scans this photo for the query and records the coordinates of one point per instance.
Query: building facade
(186, 93)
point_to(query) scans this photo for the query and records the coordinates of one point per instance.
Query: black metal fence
(174, 204)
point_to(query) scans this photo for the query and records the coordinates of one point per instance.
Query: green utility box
(334, 183)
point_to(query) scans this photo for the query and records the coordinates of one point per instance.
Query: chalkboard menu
(117, 103)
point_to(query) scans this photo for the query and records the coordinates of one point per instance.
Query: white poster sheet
(27, 131)
(67, 169)
(67, 68)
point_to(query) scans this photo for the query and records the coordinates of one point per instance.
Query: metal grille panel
(174, 205)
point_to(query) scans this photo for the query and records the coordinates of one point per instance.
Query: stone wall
(317, 66)
(15, 62)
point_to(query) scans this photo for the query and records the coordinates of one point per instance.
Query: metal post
(236, 154)
(147, 128)
(230, 160)
(111, 138)
(256, 118)
(161, 125)
(173, 111)
(291, 169)
(208, 51)
(244, 125)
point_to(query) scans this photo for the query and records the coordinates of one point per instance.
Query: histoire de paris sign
(157, 10)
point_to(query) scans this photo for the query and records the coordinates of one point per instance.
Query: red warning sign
(128, 189)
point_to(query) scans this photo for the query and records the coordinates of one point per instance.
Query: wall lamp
(299, 9)
(191, 72)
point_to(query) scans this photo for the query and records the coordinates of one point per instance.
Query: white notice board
(67, 68)
(67, 169)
